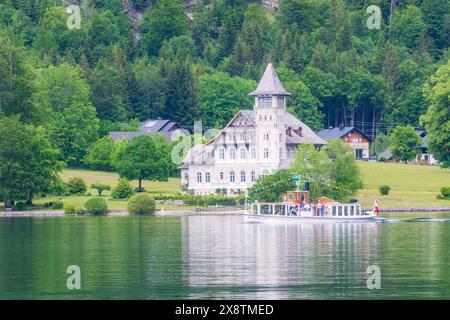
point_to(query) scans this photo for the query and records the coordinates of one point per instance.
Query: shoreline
(205, 211)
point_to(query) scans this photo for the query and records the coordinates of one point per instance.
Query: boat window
(340, 211)
(334, 210)
(352, 210)
(346, 210)
(358, 210)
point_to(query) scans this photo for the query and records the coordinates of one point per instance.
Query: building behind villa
(254, 143)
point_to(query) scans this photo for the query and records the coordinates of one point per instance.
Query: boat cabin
(297, 197)
(296, 203)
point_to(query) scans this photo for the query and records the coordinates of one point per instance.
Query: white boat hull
(249, 217)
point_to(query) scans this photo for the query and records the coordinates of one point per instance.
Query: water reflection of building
(227, 258)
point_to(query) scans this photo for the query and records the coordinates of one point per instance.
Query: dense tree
(437, 118)
(405, 143)
(314, 166)
(28, 163)
(99, 156)
(272, 188)
(221, 96)
(303, 104)
(345, 179)
(16, 79)
(108, 92)
(166, 20)
(63, 97)
(145, 158)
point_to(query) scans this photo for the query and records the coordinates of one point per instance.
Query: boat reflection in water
(238, 260)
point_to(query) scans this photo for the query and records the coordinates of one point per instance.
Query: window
(199, 177)
(266, 153)
(266, 136)
(253, 153)
(207, 177)
(232, 153)
(253, 176)
(359, 153)
(221, 176)
(265, 173)
(186, 176)
(243, 153)
(242, 176)
(243, 136)
(252, 137)
(265, 102)
(232, 177)
(221, 153)
(280, 102)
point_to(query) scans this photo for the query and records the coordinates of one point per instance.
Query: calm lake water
(221, 257)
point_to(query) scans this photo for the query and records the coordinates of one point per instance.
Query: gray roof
(127, 135)
(168, 128)
(337, 133)
(387, 154)
(270, 84)
(308, 135)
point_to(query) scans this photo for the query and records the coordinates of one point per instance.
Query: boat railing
(292, 209)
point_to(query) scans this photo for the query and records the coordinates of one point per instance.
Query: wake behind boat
(296, 207)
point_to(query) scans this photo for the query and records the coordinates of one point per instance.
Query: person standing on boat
(376, 208)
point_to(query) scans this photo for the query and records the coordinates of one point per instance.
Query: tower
(270, 109)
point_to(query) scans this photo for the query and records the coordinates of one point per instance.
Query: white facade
(254, 143)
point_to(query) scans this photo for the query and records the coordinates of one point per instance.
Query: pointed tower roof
(270, 84)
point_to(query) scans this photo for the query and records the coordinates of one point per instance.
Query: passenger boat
(296, 207)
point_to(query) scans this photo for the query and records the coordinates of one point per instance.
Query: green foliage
(405, 143)
(123, 190)
(344, 177)
(332, 171)
(20, 206)
(76, 186)
(69, 209)
(166, 20)
(96, 206)
(272, 188)
(145, 158)
(221, 96)
(100, 154)
(314, 166)
(100, 187)
(384, 190)
(381, 143)
(445, 192)
(28, 164)
(141, 204)
(57, 205)
(437, 118)
(63, 98)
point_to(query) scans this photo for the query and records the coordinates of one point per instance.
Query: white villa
(254, 143)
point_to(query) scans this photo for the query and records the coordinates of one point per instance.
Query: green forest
(71, 71)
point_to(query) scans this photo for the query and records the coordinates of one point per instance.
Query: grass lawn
(411, 185)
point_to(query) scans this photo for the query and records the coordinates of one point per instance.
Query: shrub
(384, 190)
(57, 205)
(141, 204)
(100, 187)
(440, 197)
(123, 190)
(382, 159)
(69, 209)
(445, 191)
(20, 206)
(96, 206)
(76, 186)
